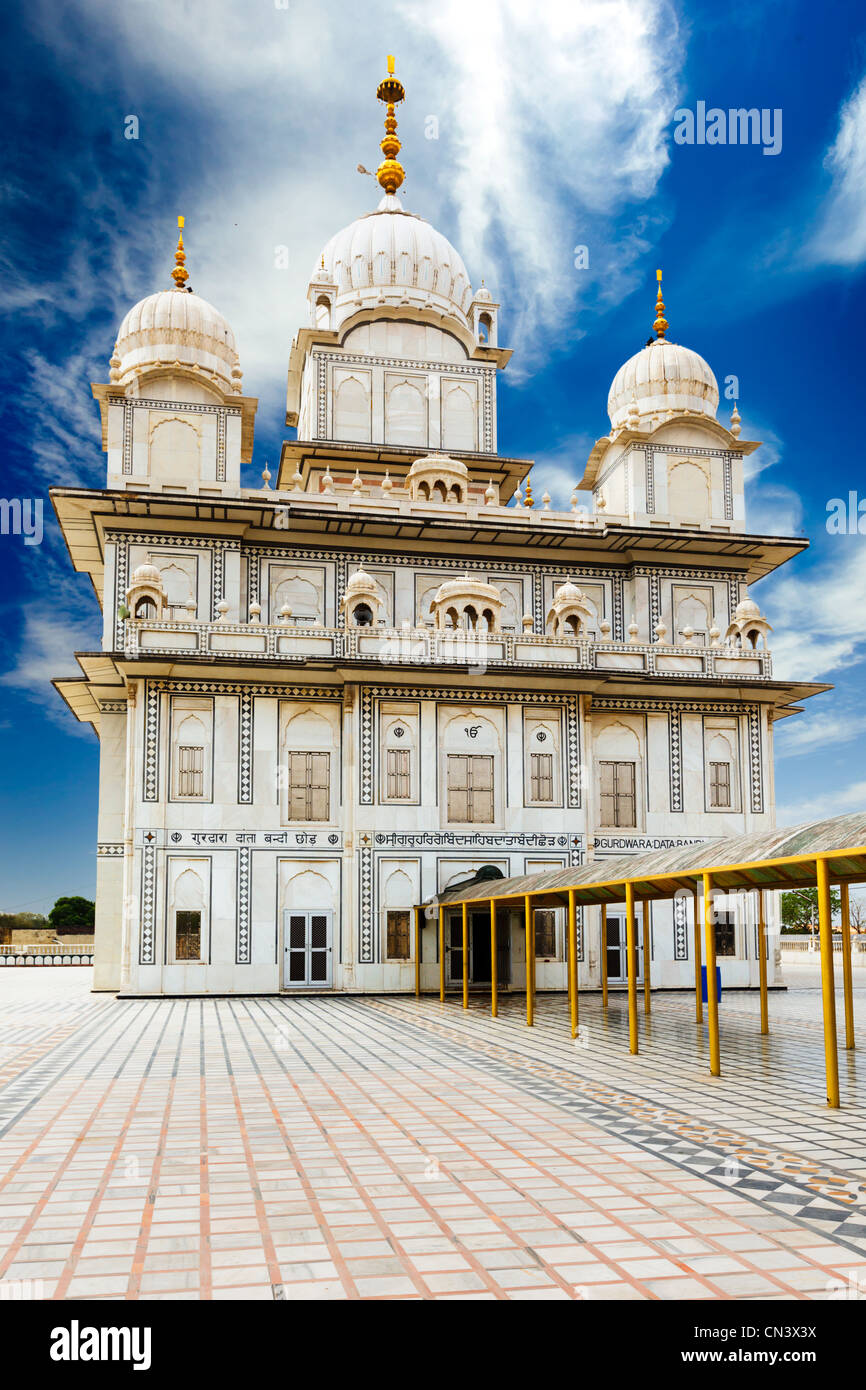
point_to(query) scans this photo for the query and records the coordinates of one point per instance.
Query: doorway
(307, 949)
(616, 948)
(479, 949)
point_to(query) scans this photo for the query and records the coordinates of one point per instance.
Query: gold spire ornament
(391, 92)
(180, 274)
(661, 323)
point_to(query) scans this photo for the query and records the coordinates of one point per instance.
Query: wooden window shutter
(608, 793)
(458, 787)
(625, 798)
(309, 789)
(398, 780)
(398, 935)
(720, 784)
(190, 763)
(618, 805)
(541, 776)
(318, 801)
(481, 789)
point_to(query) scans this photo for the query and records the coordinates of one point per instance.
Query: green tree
(72, 914)
(800, 908)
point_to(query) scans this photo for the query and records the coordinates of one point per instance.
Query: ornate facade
(320, 702)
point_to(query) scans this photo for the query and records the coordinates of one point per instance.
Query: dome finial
(390, 91)
(661, 323)
(180, 274)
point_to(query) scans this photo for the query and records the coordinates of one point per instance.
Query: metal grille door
(307, 948)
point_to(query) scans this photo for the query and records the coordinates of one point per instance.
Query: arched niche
(688, 492)
(175, 453)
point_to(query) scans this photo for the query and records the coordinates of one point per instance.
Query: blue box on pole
(718, 983)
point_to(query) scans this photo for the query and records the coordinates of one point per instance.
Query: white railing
(805, 945)
(52, 953)
(426, 646)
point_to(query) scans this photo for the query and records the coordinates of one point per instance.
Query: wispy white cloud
(48, 640)
(817, 616)
(840, 238)
(550, 125)
(832, 803)
(797, 737)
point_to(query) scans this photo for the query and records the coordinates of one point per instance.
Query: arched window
(362, 615)
(323, 312)
(145, 608)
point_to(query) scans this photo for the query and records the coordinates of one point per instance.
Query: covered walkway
(820, 853)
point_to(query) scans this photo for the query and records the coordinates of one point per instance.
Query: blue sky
(555, 129)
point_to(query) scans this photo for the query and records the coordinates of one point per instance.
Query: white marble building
(321, 701)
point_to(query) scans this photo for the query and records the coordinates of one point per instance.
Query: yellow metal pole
(417, 952)
(604, 955)
(647, 982)
(631, 940)
(494, 981)
(847, 980)
(825, 930)
(572, 960)
(699, 1003)
(712, 993)
(762, 962)
(442, 953)
(465, 956)
(527, 924)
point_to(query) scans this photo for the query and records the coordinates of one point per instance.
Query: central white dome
(393, 257)
(663, 376)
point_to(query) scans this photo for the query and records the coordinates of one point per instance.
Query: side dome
(175, 328)
(662, 376)
(392, 257)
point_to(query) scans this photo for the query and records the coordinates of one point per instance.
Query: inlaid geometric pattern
(151, 741)
(681, 934)
(367, 935)
(148, 905)
(675, 741)
(388, 1148)
(756, 773)
(245, 751)
(242, 954)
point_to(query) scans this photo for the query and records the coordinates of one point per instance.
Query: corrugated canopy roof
(782, 858)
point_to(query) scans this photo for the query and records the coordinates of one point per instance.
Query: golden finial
(661, 323)
(530, 500)
(180, 274)
(390, 91)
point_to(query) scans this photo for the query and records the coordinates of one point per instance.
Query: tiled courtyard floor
(334, 1148)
